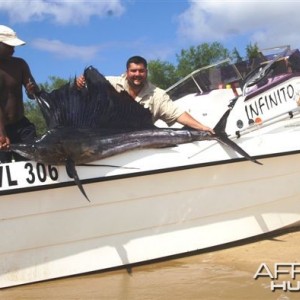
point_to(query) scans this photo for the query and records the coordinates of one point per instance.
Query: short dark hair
(136, 60)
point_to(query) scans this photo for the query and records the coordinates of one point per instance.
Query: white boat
(154, 203)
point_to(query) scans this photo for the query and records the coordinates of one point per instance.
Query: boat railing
(275, 119)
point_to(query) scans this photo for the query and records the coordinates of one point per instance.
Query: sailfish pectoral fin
(227, 141)
(71, 171)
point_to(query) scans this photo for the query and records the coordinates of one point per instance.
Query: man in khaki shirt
(135, 82)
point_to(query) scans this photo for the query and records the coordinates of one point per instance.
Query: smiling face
(136, 75)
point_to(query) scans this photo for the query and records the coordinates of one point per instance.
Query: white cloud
(63, 50)
(62, 11)
(268, 23)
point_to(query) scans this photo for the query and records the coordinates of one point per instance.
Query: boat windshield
(272, 54)
(206, 79)
(278, 61)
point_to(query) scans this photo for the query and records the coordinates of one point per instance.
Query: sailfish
(97, 122)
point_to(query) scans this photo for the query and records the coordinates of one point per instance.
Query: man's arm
(4, 140)
(187, 120)
(29, 83)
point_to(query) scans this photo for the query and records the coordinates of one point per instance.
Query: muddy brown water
(221, 273)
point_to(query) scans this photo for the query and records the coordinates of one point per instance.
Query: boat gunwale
(142, 173)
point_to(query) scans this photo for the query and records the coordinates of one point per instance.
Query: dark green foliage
(200, 56)
(55, 83)
(162, 74)
(236, 57)
(252, 51)
(33, 113)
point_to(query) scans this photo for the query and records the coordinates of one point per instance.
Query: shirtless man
(14, 75)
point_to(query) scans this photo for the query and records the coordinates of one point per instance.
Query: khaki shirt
(155, 99)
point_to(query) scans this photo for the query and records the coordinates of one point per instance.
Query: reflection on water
(219, 274)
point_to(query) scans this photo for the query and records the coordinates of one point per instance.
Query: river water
(224, 273)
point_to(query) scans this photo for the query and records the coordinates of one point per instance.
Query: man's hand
(205, 128)
(31, 88)
(187, 120)
(4, 142)
(80, 82)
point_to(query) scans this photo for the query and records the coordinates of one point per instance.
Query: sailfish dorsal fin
(98, 105)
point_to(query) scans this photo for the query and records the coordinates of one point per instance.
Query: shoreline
(223, 272)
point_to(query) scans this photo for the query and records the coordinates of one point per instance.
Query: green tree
(236, 55)
(200, 56)
(252, 51)
(33, 113)
(32, 110)
(162, 74)
(254, 56)
(55, 83)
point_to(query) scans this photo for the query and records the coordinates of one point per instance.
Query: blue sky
(64, 37)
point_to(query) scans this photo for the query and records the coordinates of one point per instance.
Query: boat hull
(153, 203)
(55, 233)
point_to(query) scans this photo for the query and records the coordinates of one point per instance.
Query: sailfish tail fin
(227, 141)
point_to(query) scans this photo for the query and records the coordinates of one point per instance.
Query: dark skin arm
(4, 140)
